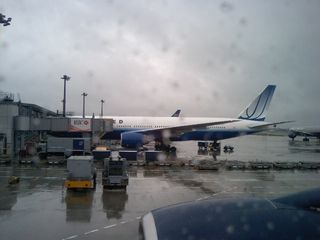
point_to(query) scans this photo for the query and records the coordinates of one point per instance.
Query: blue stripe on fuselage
(204, 134)
(211, 135)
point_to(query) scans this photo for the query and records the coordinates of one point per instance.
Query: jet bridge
(24, 123)
(29, 131)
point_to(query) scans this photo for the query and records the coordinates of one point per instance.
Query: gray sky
(209, 58)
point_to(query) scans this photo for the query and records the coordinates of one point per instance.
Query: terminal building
(23, 126)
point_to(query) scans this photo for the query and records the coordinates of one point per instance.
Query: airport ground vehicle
(291, 217)
(65, 146)
(81, 173)
(115, 173)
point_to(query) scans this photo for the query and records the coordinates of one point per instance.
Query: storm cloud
(209, 58)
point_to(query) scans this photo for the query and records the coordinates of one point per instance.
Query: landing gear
(214, 148)
(160, 146)
(173, 149)
(228, 149)
(210, 146)
(305, 139)
(292, 139)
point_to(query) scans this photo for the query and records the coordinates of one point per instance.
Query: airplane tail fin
(258, 108)
(176, 114)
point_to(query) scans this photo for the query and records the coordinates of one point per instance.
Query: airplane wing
(176, 130)
(269, 124)
(303, 133)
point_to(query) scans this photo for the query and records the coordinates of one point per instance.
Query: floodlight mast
(84, 104)
(102, 102)
(65, 79)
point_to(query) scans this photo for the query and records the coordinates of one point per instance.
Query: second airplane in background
(134, 132)
(306, 132)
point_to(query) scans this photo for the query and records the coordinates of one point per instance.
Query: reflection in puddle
(79, 205)
(8, 197)
(114, 202)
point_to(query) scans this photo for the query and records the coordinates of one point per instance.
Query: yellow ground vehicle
(81, 173)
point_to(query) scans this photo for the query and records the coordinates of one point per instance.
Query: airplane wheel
(173, 149)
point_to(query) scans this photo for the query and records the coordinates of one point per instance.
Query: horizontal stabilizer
(270, 124)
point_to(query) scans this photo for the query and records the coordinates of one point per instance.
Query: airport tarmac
(40, 208)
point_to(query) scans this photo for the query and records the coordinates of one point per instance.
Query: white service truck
(115, 173)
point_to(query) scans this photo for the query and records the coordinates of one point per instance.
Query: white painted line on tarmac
(105, 227)
(71, 237)
(131, 220)
(243, 180)
(95, 230)
(110, 226)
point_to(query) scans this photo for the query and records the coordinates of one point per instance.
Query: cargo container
(154, 156)
(100, 153)
(81, 173)
(115, 173)
(130, 155)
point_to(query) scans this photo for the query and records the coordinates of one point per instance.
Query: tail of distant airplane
(258, 108)
(176, 114)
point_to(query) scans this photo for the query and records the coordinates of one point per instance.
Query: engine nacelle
(292, 134)
(132, 140)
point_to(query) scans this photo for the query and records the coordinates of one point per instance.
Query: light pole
(84, 104)
(102, 102)
(65, 79)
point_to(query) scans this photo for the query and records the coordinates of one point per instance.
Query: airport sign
(80, 125)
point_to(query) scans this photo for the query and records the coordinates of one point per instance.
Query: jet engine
(132, 140)
(292, 134)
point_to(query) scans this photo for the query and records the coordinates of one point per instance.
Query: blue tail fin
(258, 108)
(176, 114)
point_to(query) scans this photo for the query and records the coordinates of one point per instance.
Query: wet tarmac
(40, 208)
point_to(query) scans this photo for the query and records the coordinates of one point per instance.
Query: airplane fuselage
(214, 132)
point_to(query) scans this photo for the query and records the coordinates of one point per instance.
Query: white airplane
(134, 132)
(305, 132)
